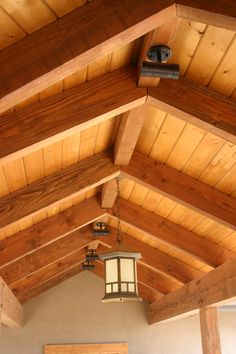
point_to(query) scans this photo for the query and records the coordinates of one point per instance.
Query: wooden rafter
(109, 194)
(58, 279)
(43, 256)
(215, 287)
(177, 271)
(127, 136)
(24, 285)
(172, 234)
(197, 105)
(63, 114)
(74, 179)
(49, 230)
(182, 188)
(221, 13)
(11, 311)
(56, 51)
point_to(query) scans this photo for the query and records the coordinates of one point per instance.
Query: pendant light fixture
(120, 268)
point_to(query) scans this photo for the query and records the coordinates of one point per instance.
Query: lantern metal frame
(120, 290)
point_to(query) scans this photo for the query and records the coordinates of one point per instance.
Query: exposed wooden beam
(59, 186)
(173, 234)
(58, 279)
(46, 255)
(215, 287)
(145, 292)
(11, 311)
(109, 194)
(221, 13)
(127, 136)
(68, 112)
(210, 331)
(197, 105)
(21, 287)
(178, 272)
(49, 230)
(47, 56)
(164, 34)
(182, 188)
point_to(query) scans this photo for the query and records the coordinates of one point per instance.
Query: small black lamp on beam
(156, 66)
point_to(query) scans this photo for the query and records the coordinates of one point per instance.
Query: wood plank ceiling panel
(174, 212)
(161, 246)
(55, 157)
(206, 54)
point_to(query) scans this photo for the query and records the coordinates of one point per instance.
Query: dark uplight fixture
(100, 229)
(120, 268)
(90, 257)
(157, 66)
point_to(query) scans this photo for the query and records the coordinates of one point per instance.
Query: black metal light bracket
(101, 229)
(157, 67)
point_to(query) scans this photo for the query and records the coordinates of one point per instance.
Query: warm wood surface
(44, 256)
(109, 194)
(56, 52)
(49, 230)
(220, 13)
(182, 188)
(11, 311)
(215, 287)
(173, 234)
(113, 348)
(58, 279)
(180, 272)
(76, 178)
(128, 133)
(197, 105)
(210, 332)
(68, 112)
(23, 286)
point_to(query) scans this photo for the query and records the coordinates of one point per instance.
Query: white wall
(72, 313)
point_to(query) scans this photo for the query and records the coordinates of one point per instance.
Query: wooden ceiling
(69, 95)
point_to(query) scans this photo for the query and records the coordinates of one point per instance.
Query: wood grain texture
(54, 52)
(58, 279)
(178, 272)
(128, 133)
(220, 13)
(68, 112)
(42, 257)
(21, 287)
(197, 105)
(108, 194)
(215, 287)
(49, 230)
(11, 311)
(173, 234)
(182, 188)
(210, 332)
(79, 177)
(113, 348)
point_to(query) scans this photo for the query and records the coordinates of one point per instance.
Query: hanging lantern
(120, 269)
